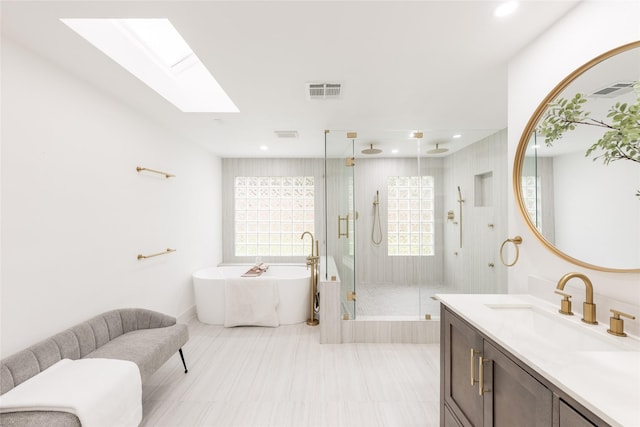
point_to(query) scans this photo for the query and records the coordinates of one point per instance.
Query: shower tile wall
(372, 262)
(484, 222)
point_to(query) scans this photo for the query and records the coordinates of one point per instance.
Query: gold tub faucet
(312, 258)
(312, 261)
(589, 308)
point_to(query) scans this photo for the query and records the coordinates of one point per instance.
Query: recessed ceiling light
(154, 51)
(505, 9)
(394, 151)
(456, 136)
(264, 148)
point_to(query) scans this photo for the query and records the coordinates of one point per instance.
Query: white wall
(75, 213)
(587, 31)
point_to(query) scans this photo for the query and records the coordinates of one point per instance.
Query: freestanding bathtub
(293, 291)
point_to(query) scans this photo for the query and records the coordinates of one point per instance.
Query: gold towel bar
(140, 256)
(166, 175)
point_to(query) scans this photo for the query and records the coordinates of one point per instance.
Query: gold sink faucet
(589, 308)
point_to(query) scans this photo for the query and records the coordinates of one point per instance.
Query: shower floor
(393, 300)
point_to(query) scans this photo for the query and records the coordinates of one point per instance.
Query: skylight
(153, 51)
(161, 38)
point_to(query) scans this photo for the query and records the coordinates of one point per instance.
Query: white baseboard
(189, 314)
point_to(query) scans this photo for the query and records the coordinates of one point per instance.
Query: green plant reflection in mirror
(621, 139)
(577, 167)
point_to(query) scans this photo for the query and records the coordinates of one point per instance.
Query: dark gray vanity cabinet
(512, 397)
(483, 385)
(460, 346)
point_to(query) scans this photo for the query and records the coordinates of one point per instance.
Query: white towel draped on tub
(251, 301)
(100, 392)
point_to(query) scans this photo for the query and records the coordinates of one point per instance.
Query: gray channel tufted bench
(145, 337)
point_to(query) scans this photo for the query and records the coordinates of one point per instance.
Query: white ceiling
(435, 66)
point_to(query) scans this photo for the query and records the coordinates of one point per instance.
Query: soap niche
(483, 189)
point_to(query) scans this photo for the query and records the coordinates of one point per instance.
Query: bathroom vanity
(513, 360)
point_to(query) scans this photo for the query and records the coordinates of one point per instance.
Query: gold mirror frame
(522, 148)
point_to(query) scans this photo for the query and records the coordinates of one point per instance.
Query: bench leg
(183, 362)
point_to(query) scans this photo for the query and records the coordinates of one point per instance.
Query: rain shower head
(438, 150)
(371, 150)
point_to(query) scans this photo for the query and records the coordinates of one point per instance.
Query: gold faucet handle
(565, 304)
(616, 324)
(617, 314)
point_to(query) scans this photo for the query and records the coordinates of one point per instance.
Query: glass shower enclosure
(381, 224)
(394, 204)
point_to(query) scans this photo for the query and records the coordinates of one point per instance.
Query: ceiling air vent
(324, 90)
(286, 133)
(613, 90)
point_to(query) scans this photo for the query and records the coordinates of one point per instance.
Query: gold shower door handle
(346, 220)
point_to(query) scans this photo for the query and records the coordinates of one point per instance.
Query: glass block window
(271, 212)
(532, 200)
(410, 216)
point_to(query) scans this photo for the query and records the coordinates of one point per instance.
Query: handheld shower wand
(460, 201)
(376, 218)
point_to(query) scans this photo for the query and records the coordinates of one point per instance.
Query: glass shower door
(341, 214)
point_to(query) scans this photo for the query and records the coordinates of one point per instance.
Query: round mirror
(576, 174)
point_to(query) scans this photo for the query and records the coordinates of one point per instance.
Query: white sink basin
(560, 331)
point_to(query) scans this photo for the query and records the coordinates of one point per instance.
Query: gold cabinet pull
(346, 220)
(472, 354)
(481, 389)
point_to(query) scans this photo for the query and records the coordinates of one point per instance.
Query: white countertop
(597, 369)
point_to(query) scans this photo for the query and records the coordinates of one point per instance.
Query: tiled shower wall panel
(476, 267)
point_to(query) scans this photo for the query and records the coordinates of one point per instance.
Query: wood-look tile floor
(252, 376)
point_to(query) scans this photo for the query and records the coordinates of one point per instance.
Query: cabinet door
(448, 420)
(512, 397)
(569, 417)
(461, 349)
